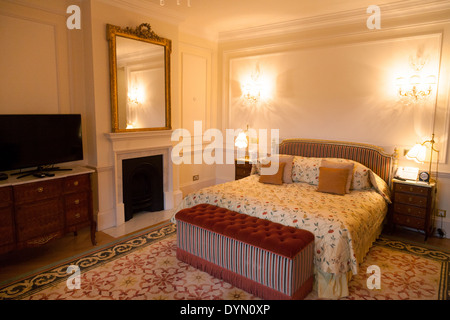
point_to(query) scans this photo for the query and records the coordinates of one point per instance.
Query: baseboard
(195, 186)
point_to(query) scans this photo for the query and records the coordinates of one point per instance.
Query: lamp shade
(241, 140)
(417, 153)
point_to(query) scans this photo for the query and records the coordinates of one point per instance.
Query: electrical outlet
(441, 213)
(196, 177)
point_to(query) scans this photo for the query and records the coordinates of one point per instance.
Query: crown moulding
(433, 10)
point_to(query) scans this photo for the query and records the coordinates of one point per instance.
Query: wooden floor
(17, 264)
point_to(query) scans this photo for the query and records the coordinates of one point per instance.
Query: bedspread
(343, 226)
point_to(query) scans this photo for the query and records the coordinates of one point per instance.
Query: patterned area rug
(145, 267)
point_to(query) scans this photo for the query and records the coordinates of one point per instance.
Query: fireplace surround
(133, 145)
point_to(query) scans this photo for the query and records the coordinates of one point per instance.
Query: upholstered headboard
(371, 156)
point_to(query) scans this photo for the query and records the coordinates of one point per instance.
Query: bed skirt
(335, 286)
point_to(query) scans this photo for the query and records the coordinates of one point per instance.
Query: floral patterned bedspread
(342, 225)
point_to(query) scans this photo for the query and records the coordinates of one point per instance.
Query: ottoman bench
(267, 259)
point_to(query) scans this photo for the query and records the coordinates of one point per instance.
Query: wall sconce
(136, 96)
(417, 88)
(251, 89)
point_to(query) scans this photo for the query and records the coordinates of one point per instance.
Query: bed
(344, 225)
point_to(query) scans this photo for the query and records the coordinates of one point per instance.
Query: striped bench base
(264, 258)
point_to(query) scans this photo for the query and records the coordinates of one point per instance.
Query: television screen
(28, 141)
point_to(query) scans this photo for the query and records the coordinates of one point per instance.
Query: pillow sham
(276, 178)
(340, 165)
(333, 180)
(380, 186)
(306, 169)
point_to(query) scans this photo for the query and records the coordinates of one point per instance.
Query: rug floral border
(24, 287)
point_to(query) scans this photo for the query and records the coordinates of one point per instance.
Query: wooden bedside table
(242, 169)
(412, 205)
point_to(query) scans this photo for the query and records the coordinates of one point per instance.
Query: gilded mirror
(140, 79)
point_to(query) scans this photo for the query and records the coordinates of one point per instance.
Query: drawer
(5, 196)
(39, 219)
(243, 171)
(76, 184)
(411, 189)
(77, 208)
(36, 191)
(410, 199)
(409, 221)
(419, 212)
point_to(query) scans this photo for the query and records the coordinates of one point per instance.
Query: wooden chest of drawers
(36, 212)
(413, 205)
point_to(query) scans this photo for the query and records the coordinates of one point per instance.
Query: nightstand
(242, 168)
(413, 205)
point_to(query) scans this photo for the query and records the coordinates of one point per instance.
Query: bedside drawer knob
(40, 189)
(407, 220)
(77, 201)
(75, 183)
(410, 199)
(409, 210)
(410, 188)
(77, 215)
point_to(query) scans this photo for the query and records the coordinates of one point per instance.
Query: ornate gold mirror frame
(140, 104)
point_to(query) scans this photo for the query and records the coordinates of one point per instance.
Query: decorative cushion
(333, 180)
(287, 175)
(361, 179)
(276, 178)
(341, 165)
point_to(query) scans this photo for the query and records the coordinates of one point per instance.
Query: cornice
(401, 9)
(147, 8)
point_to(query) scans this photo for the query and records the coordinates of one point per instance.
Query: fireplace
(143, 185)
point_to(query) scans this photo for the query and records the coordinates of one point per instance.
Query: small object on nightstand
(243, 168)
(412, 205)
(424, 176)
(3, 176)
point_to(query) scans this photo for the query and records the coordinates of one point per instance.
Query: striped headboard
(371, 156)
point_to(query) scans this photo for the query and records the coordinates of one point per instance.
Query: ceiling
(213, 17)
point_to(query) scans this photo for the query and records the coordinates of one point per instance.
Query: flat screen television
(39, 141)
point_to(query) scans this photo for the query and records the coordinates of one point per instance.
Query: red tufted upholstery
(275, 237)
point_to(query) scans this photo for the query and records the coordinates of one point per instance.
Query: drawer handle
(77, 201)
(411, 189)
(40, 189)
(75, 183)
(409, 210)
(407, 220)
(410, 199)
(77, 215)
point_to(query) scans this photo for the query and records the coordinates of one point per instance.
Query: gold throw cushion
(341, 165)
(276, 178)
(333, 180)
